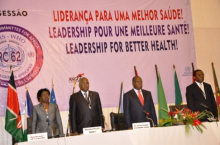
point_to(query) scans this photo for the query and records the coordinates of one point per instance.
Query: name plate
(37, 136)
(141, 125)
(92, 130)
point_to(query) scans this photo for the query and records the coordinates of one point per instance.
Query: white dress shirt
(201, 86)
(136, 91)
(85, 95)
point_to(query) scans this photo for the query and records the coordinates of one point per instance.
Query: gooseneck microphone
(212, 116)
(48, 122)
(149, 118)
(204, 105)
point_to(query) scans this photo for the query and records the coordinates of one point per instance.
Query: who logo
(20, 49)
(187, 71)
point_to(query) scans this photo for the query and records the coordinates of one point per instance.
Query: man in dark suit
(85, 109)
(136, 102)
(199, 95)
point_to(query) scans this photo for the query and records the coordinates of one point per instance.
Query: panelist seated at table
(199, 95)
(85, 109)
(136, 102)
(46, 116)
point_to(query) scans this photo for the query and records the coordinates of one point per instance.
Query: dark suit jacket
(133, 109)
(194, 97)
(39, 123)
(81, 116)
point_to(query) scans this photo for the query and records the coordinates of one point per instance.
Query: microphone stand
(149, 118)
(212, 117)
(50, 128)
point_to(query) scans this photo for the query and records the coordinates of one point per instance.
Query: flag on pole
(28, 112)
(193, 80)
(162, 103)
(52, 95)
(217, 93)
(178, 96)
(13, 124)
(135, 71)
(120, 106)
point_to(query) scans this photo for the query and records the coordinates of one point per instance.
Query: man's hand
(73, 134)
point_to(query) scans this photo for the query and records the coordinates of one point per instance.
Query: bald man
(85, 109)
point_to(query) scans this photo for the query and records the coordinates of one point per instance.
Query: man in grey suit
(85, 109)
(138, 104)
(45, 114)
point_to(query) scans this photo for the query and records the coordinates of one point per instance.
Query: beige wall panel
(206, 13)
(207, 44)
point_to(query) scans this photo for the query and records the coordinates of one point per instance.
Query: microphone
(204, 105)
(212, 118)
(48, 122)
(146, 113)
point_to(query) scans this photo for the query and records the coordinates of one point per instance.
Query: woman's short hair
(39, 93)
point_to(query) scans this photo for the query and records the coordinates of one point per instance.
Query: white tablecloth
(174, 135)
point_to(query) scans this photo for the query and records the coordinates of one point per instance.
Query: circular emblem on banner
(20, 49)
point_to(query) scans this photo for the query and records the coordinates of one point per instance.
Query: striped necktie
(87, 99)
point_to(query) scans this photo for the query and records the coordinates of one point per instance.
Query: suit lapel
(82, 97)
(42, 108)
(145, 97)
(198, 89)
(205, 89)
(50, 108)
(136, 97)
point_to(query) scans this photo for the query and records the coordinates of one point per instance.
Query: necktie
(141, 98)
(202, 88)
(87, 99)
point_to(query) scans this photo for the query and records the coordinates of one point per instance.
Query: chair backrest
(117, 121)
(121, 121)
(179, 107)
(114, 121)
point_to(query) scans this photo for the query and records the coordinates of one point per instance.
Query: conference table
(173, 135)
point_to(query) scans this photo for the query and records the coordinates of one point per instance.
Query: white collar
(199, 83)
(136, 91)
(87, 92)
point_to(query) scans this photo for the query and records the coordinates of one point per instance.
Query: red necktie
(141, 98)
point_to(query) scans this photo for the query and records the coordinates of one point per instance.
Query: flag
(217, 93)
(162, 103)
(135, 71)
(52, 97)
(178, 96)
(13, 124)
(193, 80)
(121, 106)
(28, 112)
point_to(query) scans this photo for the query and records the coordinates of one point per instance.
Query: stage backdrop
(104, 39)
